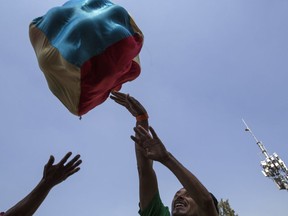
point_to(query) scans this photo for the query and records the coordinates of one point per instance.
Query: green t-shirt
(155, 208)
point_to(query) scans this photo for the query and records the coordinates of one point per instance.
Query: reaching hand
(131, 104)
(55, 174)
(151, 146)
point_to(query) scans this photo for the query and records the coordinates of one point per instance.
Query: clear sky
(206, 64)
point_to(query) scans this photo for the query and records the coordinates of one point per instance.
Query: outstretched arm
(153, 148)
(52, 175)
(147, 178)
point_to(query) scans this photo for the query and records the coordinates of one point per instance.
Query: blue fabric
(81, 29)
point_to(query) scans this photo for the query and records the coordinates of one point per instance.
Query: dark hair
(215, 202)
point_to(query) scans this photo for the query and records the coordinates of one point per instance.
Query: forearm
(189, 181)
(143, 164)
(148, 186)
(28, 205)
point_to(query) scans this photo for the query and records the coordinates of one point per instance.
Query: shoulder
(155, 208)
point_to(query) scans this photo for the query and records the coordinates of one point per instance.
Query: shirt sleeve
(155, 208)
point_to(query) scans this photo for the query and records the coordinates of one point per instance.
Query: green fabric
(155, 208)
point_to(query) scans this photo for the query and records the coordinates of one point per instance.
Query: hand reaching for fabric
(131, 104)
(151, 146)
(55, 174)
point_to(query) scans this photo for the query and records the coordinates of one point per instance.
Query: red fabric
(108, 71)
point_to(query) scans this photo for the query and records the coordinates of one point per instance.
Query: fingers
(115, 98)
(72, 164)
(135, 139)
(132, 100)
(119, 101)
(74, 168)
(133, 106)
(140, 131)
(142, 138)
(140, 109)
(120, 98)
(76, 158)
(118, 94)
(140, 145)
(65, 158)
(75, 163)
(154, 135)
(50, 161)
(73, 172)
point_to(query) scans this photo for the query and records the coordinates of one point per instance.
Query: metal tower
(273, 167)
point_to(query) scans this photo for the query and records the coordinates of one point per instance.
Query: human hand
(131, 104)
(151, 146)
(55, 174)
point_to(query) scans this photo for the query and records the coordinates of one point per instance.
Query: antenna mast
(273, 167)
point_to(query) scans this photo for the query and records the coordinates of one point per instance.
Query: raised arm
(52, 175)
(153, 148)
(147, 178)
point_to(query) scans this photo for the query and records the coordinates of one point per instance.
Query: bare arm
(154, 149)
(52, 175)
(148, 186)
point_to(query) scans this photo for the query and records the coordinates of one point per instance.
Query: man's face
(183, 204)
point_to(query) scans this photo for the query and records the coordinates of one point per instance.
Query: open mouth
(179, 204)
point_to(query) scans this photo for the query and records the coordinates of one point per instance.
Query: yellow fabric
(63, 78)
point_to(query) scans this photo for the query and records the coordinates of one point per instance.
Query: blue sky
(205, 66)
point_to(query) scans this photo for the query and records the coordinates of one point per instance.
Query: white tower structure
(273, 167)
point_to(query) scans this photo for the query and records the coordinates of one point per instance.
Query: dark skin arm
(148, 186)
(52, 175)
(152, 148)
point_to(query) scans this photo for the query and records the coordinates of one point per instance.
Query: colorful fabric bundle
(86, 48)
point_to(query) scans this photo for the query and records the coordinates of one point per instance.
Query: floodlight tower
(273, 167)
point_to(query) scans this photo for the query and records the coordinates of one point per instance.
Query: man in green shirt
(192, 200)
